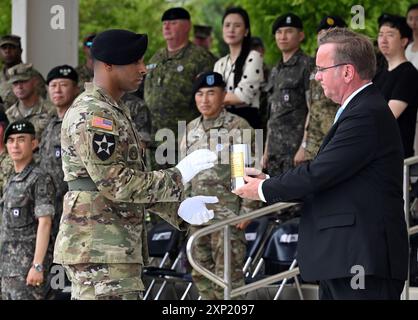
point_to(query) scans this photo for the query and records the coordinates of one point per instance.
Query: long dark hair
(246, 43)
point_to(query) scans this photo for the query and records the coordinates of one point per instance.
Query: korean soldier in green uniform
(217, 129)
(28, 210)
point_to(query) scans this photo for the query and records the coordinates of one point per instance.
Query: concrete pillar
(49, 31)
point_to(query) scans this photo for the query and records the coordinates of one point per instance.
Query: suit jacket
(352, 193)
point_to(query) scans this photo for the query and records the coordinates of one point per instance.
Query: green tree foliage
(145, 16)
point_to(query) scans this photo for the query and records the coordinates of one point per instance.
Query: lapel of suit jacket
(350, 105)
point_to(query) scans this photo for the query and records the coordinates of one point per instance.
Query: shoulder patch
(102, 123)
(103, 145)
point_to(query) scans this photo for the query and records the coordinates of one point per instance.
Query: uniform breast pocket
(19, 212)
(291, 96)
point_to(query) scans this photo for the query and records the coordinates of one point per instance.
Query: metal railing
(407, 210)
(226, 281)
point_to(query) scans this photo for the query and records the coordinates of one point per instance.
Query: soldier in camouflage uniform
(141, 118)
(5, 160)
(321, 109)
(85, 71)
(209, 250)
(287, 87)
(10, 54)
(171, 73)
(63, 89)
(30, 105)
(102, 237)
(28, 209)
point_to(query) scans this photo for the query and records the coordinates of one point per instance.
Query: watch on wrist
(303, 145)
(38, 267)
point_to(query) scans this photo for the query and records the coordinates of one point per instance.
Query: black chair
(256, 234)
(279, 254)
(164, 243)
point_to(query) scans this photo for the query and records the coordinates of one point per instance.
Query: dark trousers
(375, 288)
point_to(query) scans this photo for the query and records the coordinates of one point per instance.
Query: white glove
(195, 162)
(193, 210)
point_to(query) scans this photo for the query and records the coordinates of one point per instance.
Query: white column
(49, 32)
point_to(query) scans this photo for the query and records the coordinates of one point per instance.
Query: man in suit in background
(352, 233)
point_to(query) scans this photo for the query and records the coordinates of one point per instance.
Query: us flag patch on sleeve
(102, 123)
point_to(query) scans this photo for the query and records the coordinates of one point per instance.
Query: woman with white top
(242, 68)
(411, 51)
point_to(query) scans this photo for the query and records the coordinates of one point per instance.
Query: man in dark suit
(352, 234)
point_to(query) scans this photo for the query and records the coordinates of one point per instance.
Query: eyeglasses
(322, 69)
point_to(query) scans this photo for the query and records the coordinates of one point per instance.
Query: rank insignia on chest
(57, 152)
(102, 123)
(16, 212)
(103, 145)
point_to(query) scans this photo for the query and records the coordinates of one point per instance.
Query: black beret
(176, 14)
(62, 72)
(329, 22)
(208, 80)
(287, 20)
(119, 47)
(19, 126)
(397, 22)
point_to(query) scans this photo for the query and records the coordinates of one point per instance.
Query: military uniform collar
(179, 54)
(294, 59)
(217, 123)
(21, 176)
(36, 108)
(101, 93)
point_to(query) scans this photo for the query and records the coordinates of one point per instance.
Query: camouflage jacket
(140, 115)
(321, 117)
(218, 135)
(27, 196)
(84, 75)
(169, 84)
(287, 87)
(99, 143)
(6, 92)
(50, 154)
(40, 116)
(6, 170)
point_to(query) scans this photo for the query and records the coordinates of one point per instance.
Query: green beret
(119, 47)
(176, 14)
(20, 126)
(287, 20)
(62, 72)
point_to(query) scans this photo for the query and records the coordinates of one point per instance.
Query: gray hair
(352, 48)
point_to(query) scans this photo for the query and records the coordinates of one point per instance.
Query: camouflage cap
(20, 72)
(19, 126)
(202, 31)
(10, 39)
